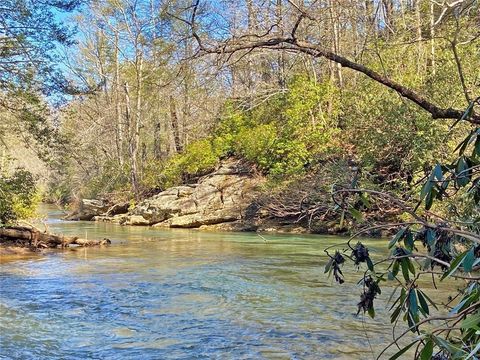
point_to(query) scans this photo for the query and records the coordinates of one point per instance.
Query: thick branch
(292, 44)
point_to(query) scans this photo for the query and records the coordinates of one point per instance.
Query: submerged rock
(137, 220)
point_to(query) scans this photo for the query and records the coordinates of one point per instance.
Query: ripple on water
(181, 295)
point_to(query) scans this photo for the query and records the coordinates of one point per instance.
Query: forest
(350, 117)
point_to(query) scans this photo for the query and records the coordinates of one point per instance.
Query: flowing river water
(179, 294)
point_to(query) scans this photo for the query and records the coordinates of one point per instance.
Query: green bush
(285, 133)
(390, 136)
(257, 145)
(18, 196)
(198, 159)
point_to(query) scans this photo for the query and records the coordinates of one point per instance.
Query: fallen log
(33, 237)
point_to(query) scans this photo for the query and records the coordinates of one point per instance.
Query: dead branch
(35, 238)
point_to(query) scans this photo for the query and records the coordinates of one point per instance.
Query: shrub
(198, 159)
(18, 196)
(285, 133)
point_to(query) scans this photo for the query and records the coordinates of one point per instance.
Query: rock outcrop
(88, 209)
(231, 198)
(224, 196)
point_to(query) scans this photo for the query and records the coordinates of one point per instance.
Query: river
(179, 294)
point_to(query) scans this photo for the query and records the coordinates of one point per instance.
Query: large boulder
(87, 209)
(119, 208)
(199, 219)
(220, 197)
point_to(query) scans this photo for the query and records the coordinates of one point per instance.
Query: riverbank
(234, 197)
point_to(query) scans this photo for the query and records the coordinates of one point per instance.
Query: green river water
(178, 294)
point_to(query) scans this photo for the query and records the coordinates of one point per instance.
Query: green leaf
(444, 344)
(464, 143)
(465, 115)
(370, 264)
(365, 200)
(413, 305)
(469, 260)
(476, 149)
(392, 295)
(408, 240)
(411, 267)
(464, 303)
(396, 267)
(429, 300)
(455, 264)
(472, 321)
(328, 266)
(400, 299)
(437, 172)
(395, 314)
(429, 199)
(357, 215)
(430, 237)
(427, 188)
(410, 321)
(462, 172)
(423, 302)
(397, 237)
(427, 351)
(404, 263)
(403, 351)
(371, 312)
(474, 351)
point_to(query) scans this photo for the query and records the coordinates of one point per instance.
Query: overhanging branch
(295, 45)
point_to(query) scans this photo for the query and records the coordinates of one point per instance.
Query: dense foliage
(281, 135)
(31, 38)
(31, 34)
(427, 244)
(18, 196)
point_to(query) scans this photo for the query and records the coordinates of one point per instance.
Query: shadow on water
(179, 294)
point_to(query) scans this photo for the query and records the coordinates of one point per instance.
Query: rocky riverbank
(226, 199)
(231, 198)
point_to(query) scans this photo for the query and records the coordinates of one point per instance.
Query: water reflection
(160, 294)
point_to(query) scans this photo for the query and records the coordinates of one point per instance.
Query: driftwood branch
(33, 237)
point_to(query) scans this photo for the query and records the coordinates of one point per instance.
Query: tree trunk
(118, 115)
(432, 38)
(418, 17)
(281, 54)
(251, 28)
(188, 82)
(388, 14)
(335, 41)
(175, 128)
(157, 141)
(132, 146)
(138, 122)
